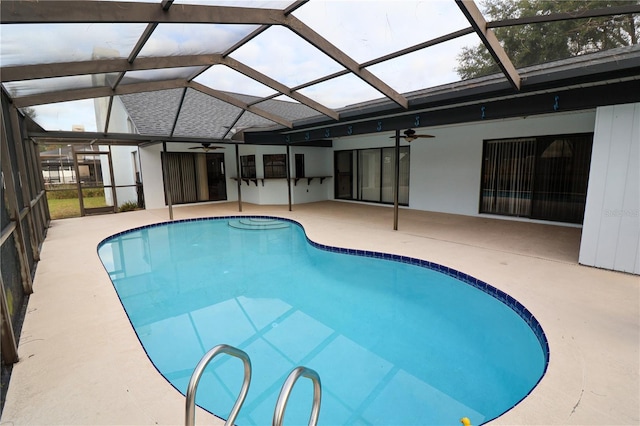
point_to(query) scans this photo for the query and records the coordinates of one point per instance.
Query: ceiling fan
(206, 146)
(410, 135)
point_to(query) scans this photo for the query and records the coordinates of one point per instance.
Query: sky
(363, 29)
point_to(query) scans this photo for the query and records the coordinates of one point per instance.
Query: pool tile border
(492, 291)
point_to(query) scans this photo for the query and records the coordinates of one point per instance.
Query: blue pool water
(395, 340)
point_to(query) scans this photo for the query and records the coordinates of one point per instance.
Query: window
(275, 165)
(375, 170)
(248, 166)
(540, 178)
(299, 165)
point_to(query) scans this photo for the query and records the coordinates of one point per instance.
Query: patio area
(81, 363)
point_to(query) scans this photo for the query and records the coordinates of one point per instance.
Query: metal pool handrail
(285, 392)
(190, 412)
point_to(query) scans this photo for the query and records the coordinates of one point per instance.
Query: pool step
(258, 223)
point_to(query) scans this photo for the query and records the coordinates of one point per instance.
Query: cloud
(49, 43)
(284, 56)
(368, 29)
(193, 39)
(220, 77)
(425, 68)
(342, 91)
(63, 115)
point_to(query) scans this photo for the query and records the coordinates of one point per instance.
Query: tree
(533, 44)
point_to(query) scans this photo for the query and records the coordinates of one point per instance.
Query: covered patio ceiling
(281, 72)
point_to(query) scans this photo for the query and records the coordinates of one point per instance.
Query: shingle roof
(202, 116)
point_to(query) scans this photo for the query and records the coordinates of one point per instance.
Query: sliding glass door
(369, 172)
(343, 162)
(374, 174)
(195, 178)
(541, 177)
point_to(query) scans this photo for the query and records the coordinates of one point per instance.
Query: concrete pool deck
(81, 363)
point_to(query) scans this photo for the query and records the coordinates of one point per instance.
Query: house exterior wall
(611, 228)
(152, 176)
(151, 165)
(318, 162)
(446, 170)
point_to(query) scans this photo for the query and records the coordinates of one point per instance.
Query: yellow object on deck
(465, 421)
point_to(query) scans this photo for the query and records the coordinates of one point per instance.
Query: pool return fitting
(283, 397)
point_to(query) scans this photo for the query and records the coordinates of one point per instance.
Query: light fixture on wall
(410, 135)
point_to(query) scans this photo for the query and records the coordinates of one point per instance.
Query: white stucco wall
(445, 170)
(152, 176)
(318, 162)
(611, 229)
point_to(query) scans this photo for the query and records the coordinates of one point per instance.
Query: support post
(14, 209)
(112, 176)
(288, 176)
(396, 182)
(9, 346)
(239, 175)
(23, 173)
(165, 172)
(78, 181)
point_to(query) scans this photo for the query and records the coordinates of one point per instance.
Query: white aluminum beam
(110, 12)
(95, 92)
(103, 66)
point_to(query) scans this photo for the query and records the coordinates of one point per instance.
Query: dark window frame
(355, 174)
(248, 166)
(300, 169)
(274, 166)
(552, 179)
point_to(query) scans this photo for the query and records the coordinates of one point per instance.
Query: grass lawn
(70, 207)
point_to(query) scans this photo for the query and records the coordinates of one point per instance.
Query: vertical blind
(508, 167)
(541, 178)
(181, 177)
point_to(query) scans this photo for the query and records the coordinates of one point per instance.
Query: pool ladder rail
(283, 397)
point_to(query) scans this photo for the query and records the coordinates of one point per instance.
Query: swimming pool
(395, 340)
